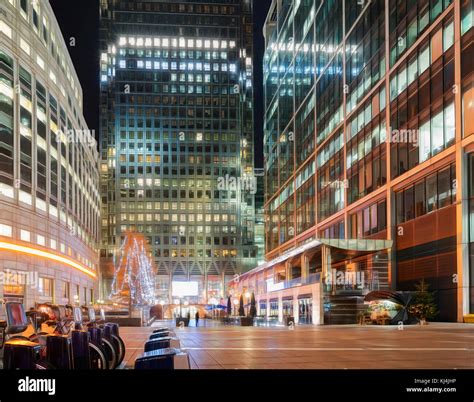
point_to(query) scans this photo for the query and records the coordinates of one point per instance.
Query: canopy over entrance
(356, 246)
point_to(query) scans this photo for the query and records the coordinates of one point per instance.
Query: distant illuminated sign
(183, 289)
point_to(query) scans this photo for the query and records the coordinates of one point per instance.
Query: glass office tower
(368, 135)
(176, 129)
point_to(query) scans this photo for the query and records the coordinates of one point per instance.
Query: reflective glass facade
(177, 137)
(367, 133)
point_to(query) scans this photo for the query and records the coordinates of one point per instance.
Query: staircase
(343, 308)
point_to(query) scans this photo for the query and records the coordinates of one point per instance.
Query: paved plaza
(211, 346)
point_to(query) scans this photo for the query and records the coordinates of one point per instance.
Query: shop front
(323, 281)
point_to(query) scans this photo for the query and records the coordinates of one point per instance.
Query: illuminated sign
(182, 289)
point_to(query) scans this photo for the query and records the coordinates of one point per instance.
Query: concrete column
(296, 311)
(280, 309)
(288, 271)
(326, 264)
(318, 305)
(304, 267)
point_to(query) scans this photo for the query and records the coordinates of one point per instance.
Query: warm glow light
(45, 254)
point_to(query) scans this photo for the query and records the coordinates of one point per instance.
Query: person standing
(197, 318)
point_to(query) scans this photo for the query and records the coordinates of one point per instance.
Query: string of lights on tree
(133, 272)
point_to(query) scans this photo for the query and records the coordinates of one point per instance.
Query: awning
(402, 298)
(343, 244)
(358, 244)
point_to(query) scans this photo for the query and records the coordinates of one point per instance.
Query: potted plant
(423, 305)
(241, 306)
(253, 308)
(244, 320)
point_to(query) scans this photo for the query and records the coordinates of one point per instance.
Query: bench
(163, 359)
(162, 343)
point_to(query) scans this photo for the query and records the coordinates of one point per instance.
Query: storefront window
(288, 308)
(45, 287)
(274, 308)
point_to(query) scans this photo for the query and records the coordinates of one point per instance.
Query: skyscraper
(177, 139)
(49, 179)
(368, 155)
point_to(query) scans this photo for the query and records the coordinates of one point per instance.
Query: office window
(409, 204)
(449, 123)
(448, 36)
(45, 287)
(420, 205)
(437, 135)
(431, 193)
(444, 188)
(5, 230)
(66, 290)
(24, 6)
(425, 141)
(40, 240)
(424, 60)
(25, 235)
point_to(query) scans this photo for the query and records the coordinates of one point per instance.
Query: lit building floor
(439, 345)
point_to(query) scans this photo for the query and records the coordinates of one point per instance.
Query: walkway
(325, 347)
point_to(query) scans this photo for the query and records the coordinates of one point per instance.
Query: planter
(423, 322)
(182, 321)
(246, 321)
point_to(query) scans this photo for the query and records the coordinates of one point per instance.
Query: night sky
(80, 20)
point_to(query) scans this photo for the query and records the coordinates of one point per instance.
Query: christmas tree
(134, 277)
(423, 305)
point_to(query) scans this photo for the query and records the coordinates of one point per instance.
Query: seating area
(163, 351)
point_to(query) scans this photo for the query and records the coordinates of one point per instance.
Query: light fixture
(47, 255)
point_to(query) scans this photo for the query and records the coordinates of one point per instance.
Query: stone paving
(211, 346)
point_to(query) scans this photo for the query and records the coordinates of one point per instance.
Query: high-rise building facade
(49, 177)
(368, 153)
(260, 216)
(177, 159)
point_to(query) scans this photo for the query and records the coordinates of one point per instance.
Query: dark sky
(80, 20)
